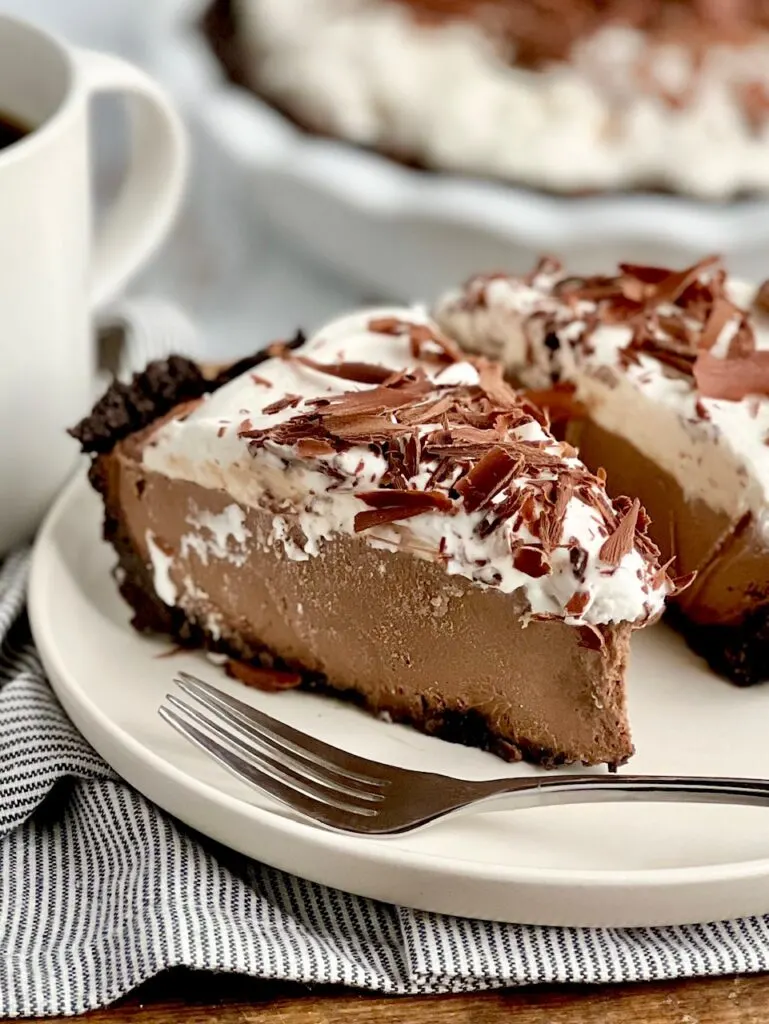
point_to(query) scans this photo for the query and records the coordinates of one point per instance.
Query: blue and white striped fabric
(99, 890)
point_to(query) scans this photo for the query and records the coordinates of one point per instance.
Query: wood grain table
(182, 996)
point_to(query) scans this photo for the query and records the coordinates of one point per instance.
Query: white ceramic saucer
(621, 865)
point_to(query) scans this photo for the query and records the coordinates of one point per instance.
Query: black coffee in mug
(11, 130)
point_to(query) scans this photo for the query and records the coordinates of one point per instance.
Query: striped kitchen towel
(100, 889)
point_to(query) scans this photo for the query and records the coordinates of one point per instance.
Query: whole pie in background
(563, 95)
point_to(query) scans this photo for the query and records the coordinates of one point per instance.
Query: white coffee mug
(54, 268)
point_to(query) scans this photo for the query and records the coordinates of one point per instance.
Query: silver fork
(353, 794)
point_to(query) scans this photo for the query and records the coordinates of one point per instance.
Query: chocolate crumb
(127, 408)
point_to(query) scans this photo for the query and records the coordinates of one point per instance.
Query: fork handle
(572, 789)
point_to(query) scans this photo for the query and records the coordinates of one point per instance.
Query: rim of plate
(384, 848)
(256, 134)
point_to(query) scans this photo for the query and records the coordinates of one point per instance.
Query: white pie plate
(615, 865)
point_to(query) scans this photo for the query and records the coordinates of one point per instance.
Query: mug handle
(149, 198)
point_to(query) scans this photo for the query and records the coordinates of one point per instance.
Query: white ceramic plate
(621, 865)
(403, 234)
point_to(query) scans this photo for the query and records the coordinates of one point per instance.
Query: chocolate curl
(287, 402)
(390, 506)
(721, 313)
(361, 373)
(622, 540)
(732, 379)
(531, 561)
(487, 478)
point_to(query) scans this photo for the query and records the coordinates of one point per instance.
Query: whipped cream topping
(716, 448)
(162, 563)
(294, 439)
(622, 112)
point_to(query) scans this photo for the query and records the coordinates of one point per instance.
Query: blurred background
(243, 284)
(283, 228)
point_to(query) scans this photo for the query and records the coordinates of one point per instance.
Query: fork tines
(329, 785)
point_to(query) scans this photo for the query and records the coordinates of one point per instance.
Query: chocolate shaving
(497, 390)
(428, 413)
(621, 541)
(362, 373)
(578, 602)
(268, 680)
(363, 428)
(411, 456)
(721, 313)
(681, 583)
(387, 325)
(423, 500)
(389, 506)
(313, 447)
(591, 637)
(286, 402)
(374, 400)
(551, 525)
(531, 561)
(260, 380)
(421, 337)
(488, 476)
(732, 379)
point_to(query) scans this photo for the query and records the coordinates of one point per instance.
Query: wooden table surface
(207, 999)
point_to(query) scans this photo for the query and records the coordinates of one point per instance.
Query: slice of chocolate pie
(373, 514)
(671, 370)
